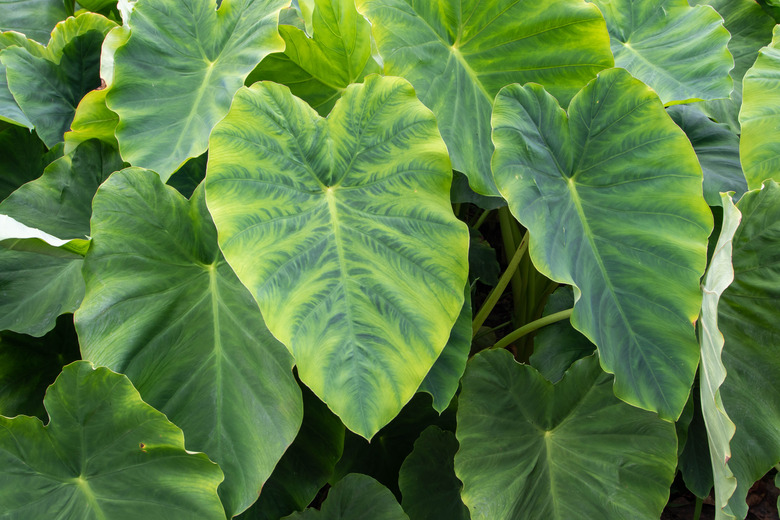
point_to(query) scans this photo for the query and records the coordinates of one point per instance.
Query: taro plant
(387, 259)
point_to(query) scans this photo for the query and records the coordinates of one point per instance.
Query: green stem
(481, 219)
(498, 290)
(509, 229)
(697, 510)
(530, 327)
(456, 209)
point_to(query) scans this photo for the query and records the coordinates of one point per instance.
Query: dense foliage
(424, 259)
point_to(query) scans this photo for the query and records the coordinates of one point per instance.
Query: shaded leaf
(23, 158)
(39, 284)
(356, 497)
(427, 479)
(458, 55)
(343, 231)
(196, 348)
(611, 195)
(573, 451)
(91, 461)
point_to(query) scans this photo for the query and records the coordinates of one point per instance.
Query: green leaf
(23, 158)
(342, 229)
(39, 284)
(750, 30)
(196, 347)
(92, 120)
(29, 365)
(558, 345)
(427, 480)
(717, 148)
(33, 18)
(48, 83)
(104, 454)
(356, 497)
(306, 465)
(611, 195)
(694, 460)
(458, 55)
(759, 146)
(748, 314)
(573, 451)
(712, 373)
(483, 264)
(96, 5)
(175, 77)
(678, 50)
(443, 379)
(318, 69)
(9, 108)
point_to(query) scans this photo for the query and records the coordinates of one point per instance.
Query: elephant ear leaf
(33, 18)
(318, 69)
(343, 231)
(680, 51)
(759, 146)
(611, 194)
(459, 53)
(176, 75)
(92, 462)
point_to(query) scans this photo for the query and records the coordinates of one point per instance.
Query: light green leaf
(558, 345)
(306, 465)
(48, 83)
(611, 195)
(751, 29)
(748, 314)
(443, 379)
(759, 146)
(37, 284)
(196, 348)
(430, 489)
(177, 74)
(678, 50)
(343, 231)
(356, 497)
(458, 55)
(93, 120)
(572, 451)
(104, 454)
(33, 18)
(712, 373)
(717, 148)
(29, 365)
(318, 69)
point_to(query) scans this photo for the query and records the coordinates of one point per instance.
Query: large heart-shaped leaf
(430, 489)
(612, 198)
(196, 57)
(104, 454)
(343, 231)
(196, 348)
(39, 284)
(717, 148)
(720, 429)
(458, 54)
(759, 146)
(33, 18)
(571, 451)
(49, 83)
(750, 28)
(748, 314)
(356, 497)
(318, 69)
(92, 120)
(678, 50)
